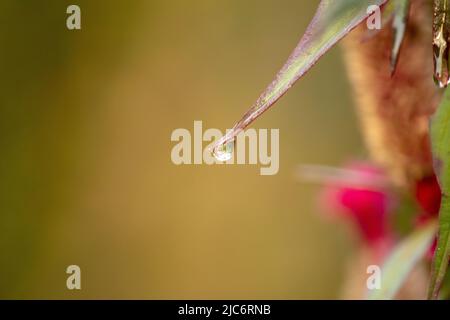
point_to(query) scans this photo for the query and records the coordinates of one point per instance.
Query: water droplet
(223, 152)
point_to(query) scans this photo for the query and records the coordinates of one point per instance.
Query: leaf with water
(440, 137)
(333, 20)
(402, 260)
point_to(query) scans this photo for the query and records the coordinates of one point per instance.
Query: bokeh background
(85, 171)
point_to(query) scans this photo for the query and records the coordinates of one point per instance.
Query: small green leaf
(440, 138)
(402, 260)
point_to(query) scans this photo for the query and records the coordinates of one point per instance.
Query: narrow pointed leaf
(440, 136)
(333, 20)
(401, 13)
(402, 260)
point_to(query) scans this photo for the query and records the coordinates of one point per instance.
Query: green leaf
(333, 20)
(402, 260)
(440, 138)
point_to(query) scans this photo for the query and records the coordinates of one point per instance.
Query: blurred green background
(85, 171)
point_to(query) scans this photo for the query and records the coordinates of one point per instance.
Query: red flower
(362, 196)
(368, 209)
(428, 195)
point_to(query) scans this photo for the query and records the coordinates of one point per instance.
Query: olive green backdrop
(85, 170)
